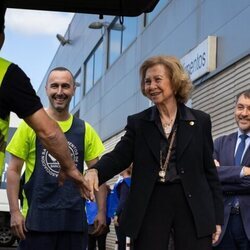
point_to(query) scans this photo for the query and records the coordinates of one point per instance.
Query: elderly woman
(174, 181)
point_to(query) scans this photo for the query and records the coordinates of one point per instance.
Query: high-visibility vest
(4, 124)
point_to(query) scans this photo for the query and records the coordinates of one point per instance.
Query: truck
(7, 238)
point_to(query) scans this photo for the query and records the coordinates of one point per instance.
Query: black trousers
(121, 238)
(168, 209)
(54, 241)
(100, 240)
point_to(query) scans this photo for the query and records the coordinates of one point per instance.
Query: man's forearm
(51, 137)
(13, 190)
(57, 145)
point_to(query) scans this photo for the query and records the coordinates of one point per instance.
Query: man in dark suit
(232, 157)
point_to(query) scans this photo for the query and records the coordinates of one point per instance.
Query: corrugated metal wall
(109, 145)
(217, 96)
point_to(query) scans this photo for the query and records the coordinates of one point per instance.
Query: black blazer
(195, 166)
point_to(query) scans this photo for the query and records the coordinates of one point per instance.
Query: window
(89, 74)
(120, 39)
(98, 62)
(130, 32)
(114, 46)
(78, 91)
(93, 67)
(77, 97)
(161, 4)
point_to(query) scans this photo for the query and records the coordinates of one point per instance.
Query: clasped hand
(91, 177)
(75, 175)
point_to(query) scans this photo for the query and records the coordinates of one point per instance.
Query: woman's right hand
(91, 177)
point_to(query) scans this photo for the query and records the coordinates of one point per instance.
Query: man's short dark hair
(2, 13)
(245, 93)
(61, 68)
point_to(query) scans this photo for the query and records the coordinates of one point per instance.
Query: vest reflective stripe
(4, 124)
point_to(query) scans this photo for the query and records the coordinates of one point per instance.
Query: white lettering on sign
(201, 59)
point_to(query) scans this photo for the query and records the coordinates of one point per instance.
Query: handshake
(87, 183)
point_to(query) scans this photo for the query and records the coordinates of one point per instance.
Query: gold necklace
(167, 127)
(163, 167)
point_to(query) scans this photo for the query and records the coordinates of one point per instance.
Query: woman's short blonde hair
(179, 78)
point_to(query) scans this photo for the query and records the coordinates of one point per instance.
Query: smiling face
(242, 113)
(157, 85)
(60, 88)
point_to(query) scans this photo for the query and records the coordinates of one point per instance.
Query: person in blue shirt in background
(121, 188)
(93, 210)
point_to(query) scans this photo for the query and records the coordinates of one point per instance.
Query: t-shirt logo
(51, 165)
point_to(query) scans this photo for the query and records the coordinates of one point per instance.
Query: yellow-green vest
(4, 124)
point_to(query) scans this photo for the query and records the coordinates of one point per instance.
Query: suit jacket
(195, 166)
(232, 183)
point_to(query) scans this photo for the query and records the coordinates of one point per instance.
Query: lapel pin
(191, 123)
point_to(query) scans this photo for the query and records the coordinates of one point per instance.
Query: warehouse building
(211, 38)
